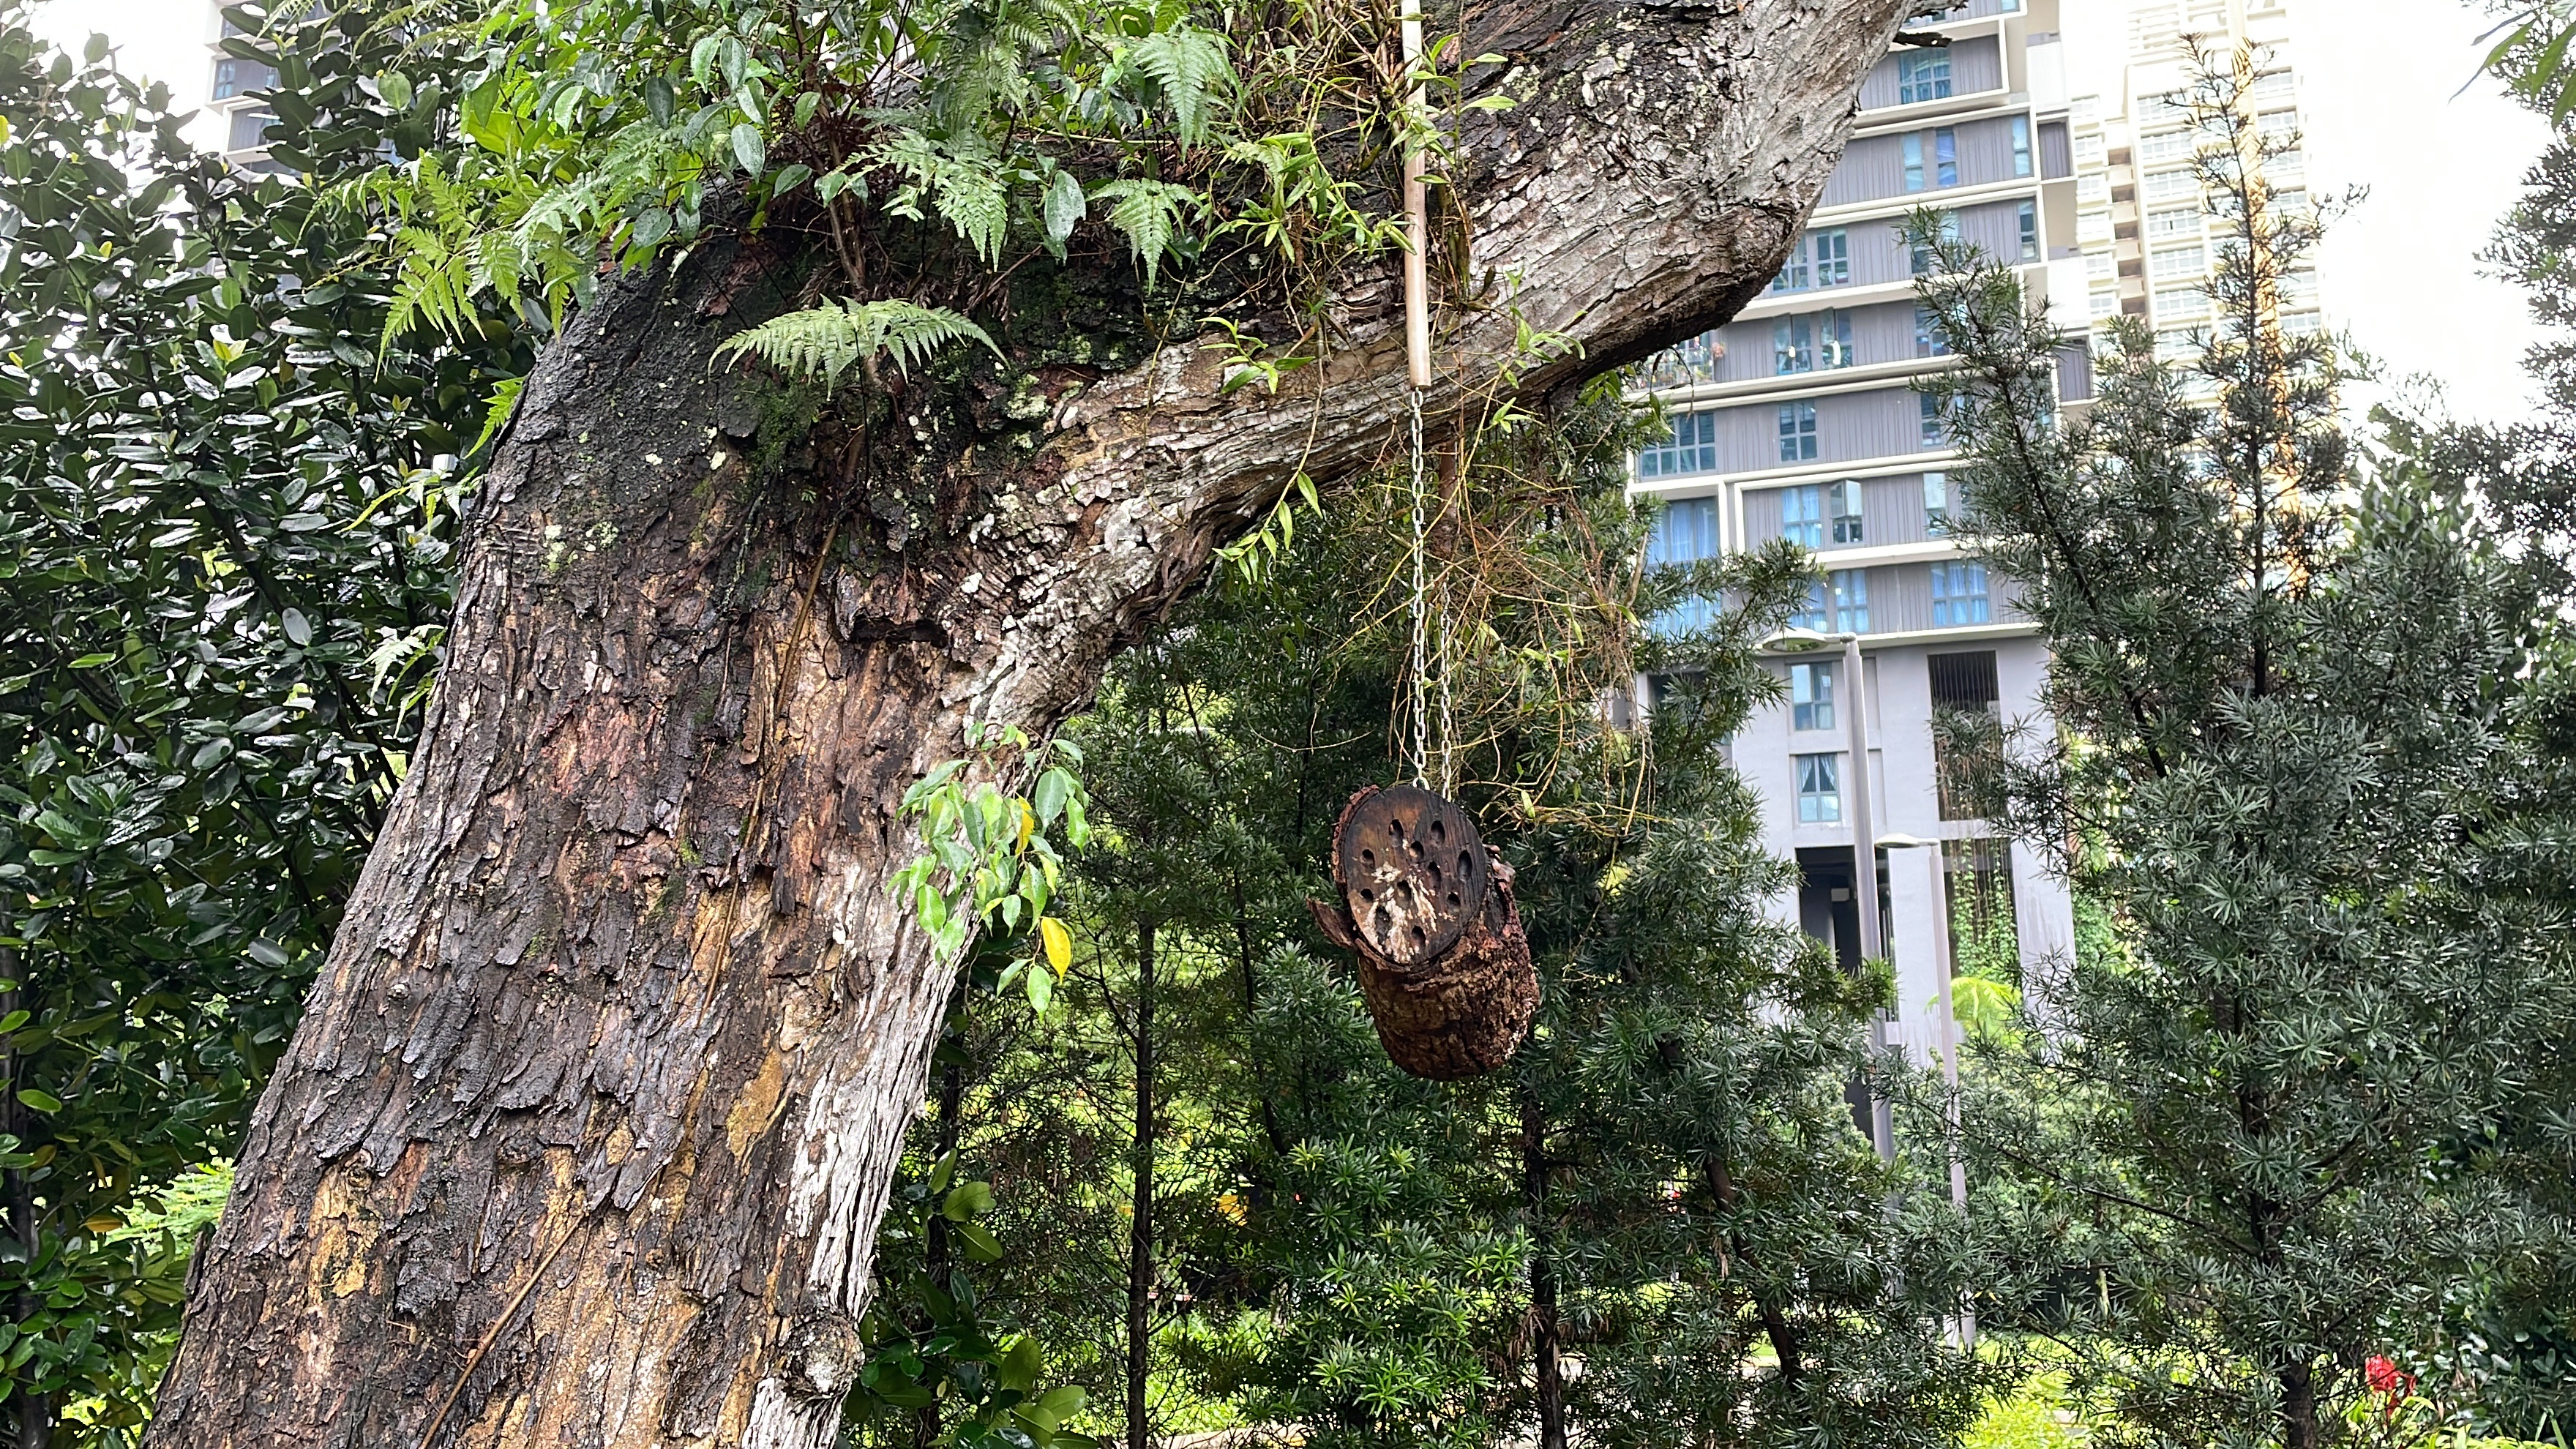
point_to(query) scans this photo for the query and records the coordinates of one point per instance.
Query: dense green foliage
(2305, 705)
(1663, 1186)
(224, 524)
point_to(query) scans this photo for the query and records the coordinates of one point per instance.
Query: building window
(1692, 449)
(1945, 158)
(1793, 346)
(1820, 259)
(2179, 262)
(1928, 341)
(1936, 421)
(2105, 302)
(2274, 89)
(2021, 145)
(2277, 125)
(1685, 532)
(1793, 271)
(1843, 507)
(1851, 601)
(1820, 800)
(1922, 77)
(1922, 257)
(1697, 359)
(1811, 696)
(1834, 340)
(2177, 303)
(1936, 504)
(2029, 231)
(2178, 221)
(1813, 614)
(1802, 517)
(2166, 146)
(1833, 258)
(247, 128)
(1797, 432)
(241, 77)
(2171, 185)
(1959, 594)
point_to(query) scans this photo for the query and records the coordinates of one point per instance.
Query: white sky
(2377, 77)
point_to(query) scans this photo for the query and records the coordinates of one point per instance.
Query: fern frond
(1148, 214)
(966, 190)
(829, 340)
(1190, 67)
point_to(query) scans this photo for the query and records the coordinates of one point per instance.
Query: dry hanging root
(1444, 965)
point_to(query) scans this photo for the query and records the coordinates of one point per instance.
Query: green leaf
(1065, 207)
(966, 1200)
(13, 1021)
(40, 1101)
(1041, 989)
(981, 1245)
(395, 87)
(660, 100)
(749, 149)
(93, 661)
(299, 630)
(1022, 1362)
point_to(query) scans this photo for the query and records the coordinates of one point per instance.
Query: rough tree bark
(585, 1134)
(1140, 1219)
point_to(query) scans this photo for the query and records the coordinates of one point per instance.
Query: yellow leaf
(1028, 825)
(1059, 943)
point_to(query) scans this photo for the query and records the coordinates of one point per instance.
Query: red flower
(2384, 1377)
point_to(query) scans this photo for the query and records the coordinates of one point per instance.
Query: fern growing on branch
(829, 340)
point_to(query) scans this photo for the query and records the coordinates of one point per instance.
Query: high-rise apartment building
(229, 95)
(2141, 217)
(1798, 420)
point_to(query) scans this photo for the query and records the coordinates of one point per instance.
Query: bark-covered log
(586, 1132)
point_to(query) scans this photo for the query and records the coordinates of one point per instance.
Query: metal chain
(1421, 712)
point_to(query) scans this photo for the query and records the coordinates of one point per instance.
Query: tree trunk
(1140, 1226)
(1544, 1334)
(586, 1131)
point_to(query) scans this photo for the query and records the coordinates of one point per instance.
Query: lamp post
(1943, 966)
(1873, 941)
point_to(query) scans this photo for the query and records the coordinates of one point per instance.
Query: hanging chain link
(1421, 710)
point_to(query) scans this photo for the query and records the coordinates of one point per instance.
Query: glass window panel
(1819, 790)
(1945, 157)
(1843, 500)
(1685, 532)
(1691, 449)
(1959, 594)
(1936, 503)
(1851, 601)
(1793, 346)
(1802, 517)
(2021, 145)
(1811, 696)
(1797, 431)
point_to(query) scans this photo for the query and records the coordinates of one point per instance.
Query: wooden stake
(1417, 216)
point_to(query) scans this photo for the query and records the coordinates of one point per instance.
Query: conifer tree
(2285, 764)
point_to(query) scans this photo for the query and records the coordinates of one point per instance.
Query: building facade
(1798, 420)
(2141, 218)
(235, 121)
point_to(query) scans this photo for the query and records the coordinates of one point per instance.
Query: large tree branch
(590, 1121)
